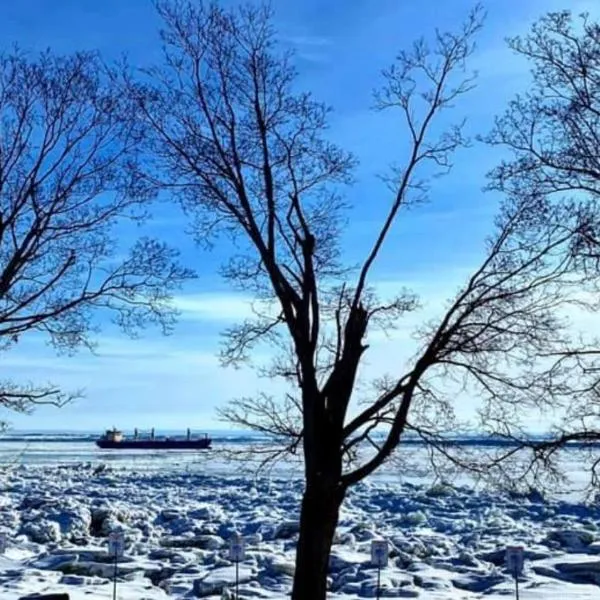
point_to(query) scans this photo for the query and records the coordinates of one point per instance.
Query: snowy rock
(93, 555)
(55, 562)
(441, 490)
(253, 539)
(33, 501)
(412, 547)
(210, 542)
(104, 520)
(368, 589)
(168, 514)
(74, 522)
(42, 531)
(283, 566)
(177, 587)
(104, 570)
(594, 548)
(580, 572)
(403, 559)
(111, 523)
(345, 539)
(182, 526)
(363, 533)
(574, 539)
(431, 582)
(166, 554)
(287, 530)
(417, 517)
(345, 580)
(81, 581)
(549, 571)
(217, 580)
(208, 512)
(203, 542)
(476, 582)
(498, 557)
(468, 559)
(341, 559)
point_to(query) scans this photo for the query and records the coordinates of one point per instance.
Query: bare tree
(553, 131)
(552, 134)
(247, 156)
(68, 164)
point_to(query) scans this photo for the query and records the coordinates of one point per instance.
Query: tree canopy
(69, 165)
(248, 157)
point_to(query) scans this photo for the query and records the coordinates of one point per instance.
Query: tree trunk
(318, 521)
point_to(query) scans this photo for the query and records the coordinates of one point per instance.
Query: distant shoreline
(239, 437)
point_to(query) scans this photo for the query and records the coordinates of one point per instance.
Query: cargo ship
(114, 439)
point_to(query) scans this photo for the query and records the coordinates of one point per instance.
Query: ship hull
(203, 444)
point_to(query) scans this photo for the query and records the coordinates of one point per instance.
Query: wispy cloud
(214, 306)
(310, 48)
(221, 308)
(434, 295)
(160, 380)
(308, 41)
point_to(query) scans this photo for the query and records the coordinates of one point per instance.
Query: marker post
(514, 563)
(116, 547)
(115, 573)
(237, 553)
(379, 557)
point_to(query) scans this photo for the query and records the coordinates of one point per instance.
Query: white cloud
(171, 382)
(214, 306)
(221, 308)
(311, 48)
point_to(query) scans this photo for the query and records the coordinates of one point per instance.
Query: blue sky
(175, 382)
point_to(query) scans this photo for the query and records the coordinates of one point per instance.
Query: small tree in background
(552, 135)
(68, 178)
(552, 130)
(247, 156)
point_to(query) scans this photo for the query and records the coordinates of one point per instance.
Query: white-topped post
(237, 553)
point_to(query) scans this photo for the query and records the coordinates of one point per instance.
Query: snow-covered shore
(446, 542)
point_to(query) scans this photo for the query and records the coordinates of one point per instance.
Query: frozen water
(178, 511)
